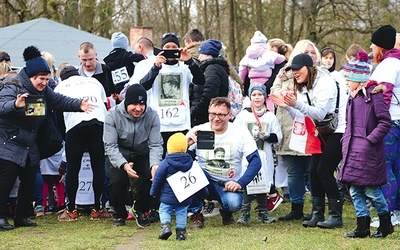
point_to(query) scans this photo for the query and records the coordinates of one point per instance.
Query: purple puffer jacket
(368, 122)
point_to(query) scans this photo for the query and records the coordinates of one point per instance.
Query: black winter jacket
(116, 61)
(216, 84)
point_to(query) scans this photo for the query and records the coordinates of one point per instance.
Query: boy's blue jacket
(169, 166)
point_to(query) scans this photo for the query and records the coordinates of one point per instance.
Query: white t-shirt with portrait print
(237, 143)
(270, 124)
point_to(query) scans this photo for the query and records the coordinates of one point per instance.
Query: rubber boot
(295, 214)
(385, 226)
(335, 215)
(165, 231)
(362, 229)
(318, 211)
(180, 233)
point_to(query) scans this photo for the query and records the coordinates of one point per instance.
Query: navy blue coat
(169, 166)
(17, 131)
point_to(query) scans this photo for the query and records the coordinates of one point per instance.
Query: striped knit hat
(357, 70)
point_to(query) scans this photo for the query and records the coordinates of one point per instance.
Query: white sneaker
(393, 218)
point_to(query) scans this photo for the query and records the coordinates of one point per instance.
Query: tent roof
(60, 40)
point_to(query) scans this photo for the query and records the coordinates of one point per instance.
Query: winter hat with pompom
(34, 62)
(258, 38)
(357, 70)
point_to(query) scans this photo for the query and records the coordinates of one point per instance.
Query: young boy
(176, 160)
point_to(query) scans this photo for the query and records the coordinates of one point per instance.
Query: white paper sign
(185, 184)
(259, 184)
(85, 193)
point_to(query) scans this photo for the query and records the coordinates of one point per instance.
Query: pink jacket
(258, 63)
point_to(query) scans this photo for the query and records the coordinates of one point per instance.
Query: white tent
(60, 40)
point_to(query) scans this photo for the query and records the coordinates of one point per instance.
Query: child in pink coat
(259, 62)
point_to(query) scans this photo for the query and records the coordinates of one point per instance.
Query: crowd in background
(138, 116)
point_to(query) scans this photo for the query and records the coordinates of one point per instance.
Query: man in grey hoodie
(133, 145)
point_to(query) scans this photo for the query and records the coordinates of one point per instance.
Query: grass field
(86, 234)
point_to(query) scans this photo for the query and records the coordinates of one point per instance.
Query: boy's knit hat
(177, 143)
(119, 40)
(258, 38)
(357, 70)
(210, 47)
(34, 62)
(384, 37)
(260, 87)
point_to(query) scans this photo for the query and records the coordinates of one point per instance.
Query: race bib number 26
(185, 184)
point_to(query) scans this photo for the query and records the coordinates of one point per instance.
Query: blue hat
(210, 47)
(300, 61)
(258, 87)
(34, 62)
(119, 40)
(357, 70)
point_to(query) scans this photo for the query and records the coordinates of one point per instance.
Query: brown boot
(227, 218)
(198, 221)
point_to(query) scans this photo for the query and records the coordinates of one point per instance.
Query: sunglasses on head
(170, 34)
(5, 58)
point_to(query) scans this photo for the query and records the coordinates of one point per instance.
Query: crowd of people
(138, 116)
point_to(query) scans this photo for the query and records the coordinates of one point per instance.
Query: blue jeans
(359, 196)
(298, 168)
(229, 201)
(165, 211)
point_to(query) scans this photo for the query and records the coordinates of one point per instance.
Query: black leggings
(324, 165)
(27, 175)
(77, 140)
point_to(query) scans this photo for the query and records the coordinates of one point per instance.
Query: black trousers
(119, 184)
(27, 175)
(324, 165)
(77, 140)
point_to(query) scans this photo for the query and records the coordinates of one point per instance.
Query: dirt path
(133, 243)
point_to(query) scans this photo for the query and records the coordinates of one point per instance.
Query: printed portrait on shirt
(257, 133)
(218, 162)
(170, 91)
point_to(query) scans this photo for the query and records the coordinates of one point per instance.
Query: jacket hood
(113, 59)
(256, 50)
(395, 53)
(181, 161)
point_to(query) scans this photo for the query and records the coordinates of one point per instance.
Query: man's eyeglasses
(170, 34)
(220, 116)
(6, 58)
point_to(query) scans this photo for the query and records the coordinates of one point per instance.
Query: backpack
(235, 97)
